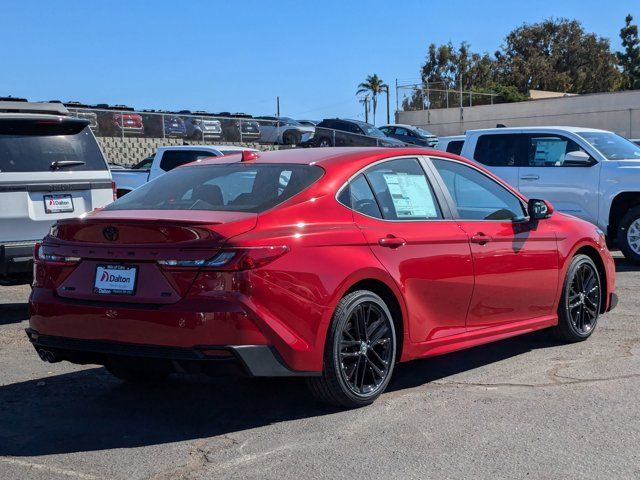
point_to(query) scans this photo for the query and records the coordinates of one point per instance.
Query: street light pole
(386, 87)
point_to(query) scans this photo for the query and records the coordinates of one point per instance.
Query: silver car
(284, 131)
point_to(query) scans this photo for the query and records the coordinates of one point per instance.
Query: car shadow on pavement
(13, 313)
(623, 265)
(89, 410)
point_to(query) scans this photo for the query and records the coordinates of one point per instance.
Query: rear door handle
(481, 238)
(530, 177)
(391, 241)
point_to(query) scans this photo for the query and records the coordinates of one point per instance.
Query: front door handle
(530, 177)
(391, 241)
(480, 238)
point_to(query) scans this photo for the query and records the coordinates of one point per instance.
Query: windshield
(232, 188)
(371, 131)
(423, 133)
(289, 121)
(612, 146)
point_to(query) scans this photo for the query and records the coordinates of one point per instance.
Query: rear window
(455, 146)
(41, 146)
(235, 188)
(175, 158)
(501, 150)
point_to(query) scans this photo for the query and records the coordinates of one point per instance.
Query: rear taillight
(115, 190)
(43, 254)
(243, 258)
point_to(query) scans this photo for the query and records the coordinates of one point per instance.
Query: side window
(353, 128)
(550, 150)
(455, 146)
(175, 158)
(476, 196)
(501, 150)
(401, 131)
(358, 196)
(403, 191)
(387, 130)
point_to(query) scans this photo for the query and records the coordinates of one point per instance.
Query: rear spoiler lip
(102, 216)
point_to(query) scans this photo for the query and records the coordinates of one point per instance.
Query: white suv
(588, 173)
(51, 167)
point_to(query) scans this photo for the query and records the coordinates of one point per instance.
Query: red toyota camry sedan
(332, 264)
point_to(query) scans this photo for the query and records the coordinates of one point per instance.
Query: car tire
(291, 137)
(137, 371)
(580, 302)
(628, 237)
(324, 142)
(359, 354)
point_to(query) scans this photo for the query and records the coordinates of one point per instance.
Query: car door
(502, 153)
(417, 242)
(269, 130)
(515, 261)
(571, 187)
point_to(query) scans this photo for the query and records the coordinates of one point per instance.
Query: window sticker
(411, 195)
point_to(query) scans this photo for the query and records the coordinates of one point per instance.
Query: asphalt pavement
(526, 407)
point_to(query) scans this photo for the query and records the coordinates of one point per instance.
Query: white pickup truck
(588, 173)
(163, 160)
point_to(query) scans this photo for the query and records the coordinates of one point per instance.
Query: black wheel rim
(584, 298)
(365, 349)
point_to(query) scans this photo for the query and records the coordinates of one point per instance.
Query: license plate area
(62, 203)
(115, 280)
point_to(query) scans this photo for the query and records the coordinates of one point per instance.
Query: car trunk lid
(126, 247)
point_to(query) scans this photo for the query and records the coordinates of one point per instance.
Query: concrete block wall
(130, 150)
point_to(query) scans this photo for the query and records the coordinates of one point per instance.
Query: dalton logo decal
(110, 233)
(113, 278)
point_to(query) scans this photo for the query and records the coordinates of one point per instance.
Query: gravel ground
(527, 407)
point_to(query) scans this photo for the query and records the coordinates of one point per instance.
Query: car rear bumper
(180, 330)
(613, 302)
(251, 360)
(16, 258)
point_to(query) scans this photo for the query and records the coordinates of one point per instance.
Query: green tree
(629, 60)
(374, 86)
(557, 55)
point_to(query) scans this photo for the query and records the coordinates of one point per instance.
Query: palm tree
(374, 85)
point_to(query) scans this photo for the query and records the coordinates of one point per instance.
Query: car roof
(333, 157)
(220, 148)
(538, 129)
(451, 138)
(34, 108)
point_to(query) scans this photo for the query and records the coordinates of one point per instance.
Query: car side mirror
(539, 209)
(578, 158)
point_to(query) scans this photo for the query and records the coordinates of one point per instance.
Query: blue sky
(239, 55)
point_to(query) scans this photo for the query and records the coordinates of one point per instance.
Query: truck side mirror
(539, 209)
(578, 158)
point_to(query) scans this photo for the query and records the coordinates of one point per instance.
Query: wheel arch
(593, 254)
(620, 204)
(390, 298)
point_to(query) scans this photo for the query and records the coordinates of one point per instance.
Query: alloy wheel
(584, 298)
(633, 236)
(365, 349)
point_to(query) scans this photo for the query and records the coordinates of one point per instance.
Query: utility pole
(388, 121)
(366, 108)
(278, 106)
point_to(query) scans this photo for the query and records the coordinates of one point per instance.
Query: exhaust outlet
(42, 355)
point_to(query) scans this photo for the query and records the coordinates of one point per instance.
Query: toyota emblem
(110, 233)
